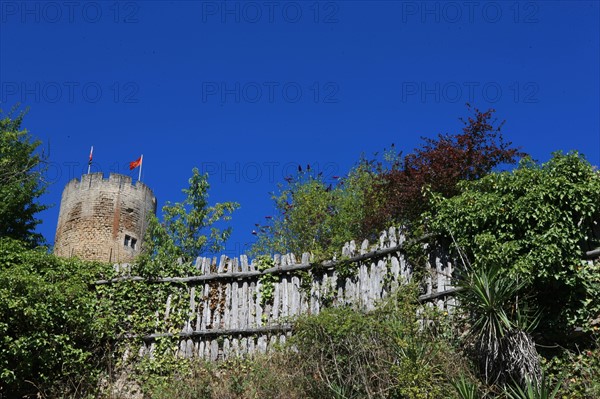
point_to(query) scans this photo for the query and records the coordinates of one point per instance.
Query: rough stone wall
(96, 215)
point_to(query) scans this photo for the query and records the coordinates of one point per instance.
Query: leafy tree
(536, 224)
(51, 336)
(21, 182)
(318, 216)
(315, 215)
(187, 230)
(438, 164)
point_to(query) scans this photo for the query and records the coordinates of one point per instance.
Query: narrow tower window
(130, 241)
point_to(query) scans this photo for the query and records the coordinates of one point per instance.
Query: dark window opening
(130, 241)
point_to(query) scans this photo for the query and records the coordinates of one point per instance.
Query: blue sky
(248, 90)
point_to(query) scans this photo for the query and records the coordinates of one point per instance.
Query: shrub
(535, 223)
(52, 339)
(389, 352)
(578, 371)
(263, 376)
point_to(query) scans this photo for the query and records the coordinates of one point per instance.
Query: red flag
(135, 164)
(91, 153)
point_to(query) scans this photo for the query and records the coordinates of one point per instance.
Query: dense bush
(51, 337)
(264, 376)
(576, 371)
(535, 223)
(391, 352)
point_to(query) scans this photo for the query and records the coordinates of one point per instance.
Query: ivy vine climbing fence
(237, 307)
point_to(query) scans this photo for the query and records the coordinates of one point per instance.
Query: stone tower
(103, 219)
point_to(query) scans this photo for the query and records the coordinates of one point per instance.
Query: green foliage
(264, 376)
(346, 269)
(577, 371)
(52, 337)
(416, 253)
(316, 215)
(193, 385)
(267, 281)
(498, 321)
(385, 353)
(533, 390)
(490, 300)
(21, 180)
(305, 281)
(141, 309)
(188, 229)
(160, 367)
(466, 388)
(535, 223)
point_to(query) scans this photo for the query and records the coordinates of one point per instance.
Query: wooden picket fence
(236, 309)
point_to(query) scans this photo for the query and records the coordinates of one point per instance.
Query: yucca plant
(499, 325)
(466, 389)
(533, 390)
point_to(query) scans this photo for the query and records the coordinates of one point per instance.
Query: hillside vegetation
(525, 240)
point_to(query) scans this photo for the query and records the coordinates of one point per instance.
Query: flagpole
(141, 164)
(90, 161)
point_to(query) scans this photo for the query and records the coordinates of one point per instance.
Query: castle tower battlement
(103, 219)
